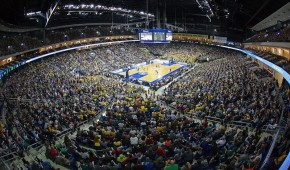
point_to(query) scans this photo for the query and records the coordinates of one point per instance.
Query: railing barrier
(266, 160)
(213, 119)
(241, 124)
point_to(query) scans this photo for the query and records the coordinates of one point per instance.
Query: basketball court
(154, 72)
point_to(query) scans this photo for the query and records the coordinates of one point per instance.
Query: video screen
(155, 36)
(146, 36)
(159, 36)
(169, 36)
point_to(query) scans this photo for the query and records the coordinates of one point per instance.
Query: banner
(221, 40)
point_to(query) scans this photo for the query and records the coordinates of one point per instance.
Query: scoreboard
(155, 36)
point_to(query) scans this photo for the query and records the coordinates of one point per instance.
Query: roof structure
(282, 14)
(198, 16)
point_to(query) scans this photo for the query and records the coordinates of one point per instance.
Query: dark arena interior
(144, 84)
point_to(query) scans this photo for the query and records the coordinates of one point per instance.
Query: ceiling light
(105, 8)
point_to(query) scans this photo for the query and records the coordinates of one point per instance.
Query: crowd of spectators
(136, 132)
(282, 35)
(282, 148)
(225, 89)
(65, 34)
(18, 42)
(36, 163)
(281, 151)
(275, 59)
(168, 79)
(186, 53)
(10, 142)
(63, 91)
(10, 44)
(262, 73)
(122, 56)
(54, 96)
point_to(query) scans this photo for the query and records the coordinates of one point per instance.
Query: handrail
(3, 156)
(1, 112)
(269, 128)
(272, 128)
(213, 119)
(270, 150)
(275, 138)
(20, 99)
(4, 162)
(34, 144)
(241, 123)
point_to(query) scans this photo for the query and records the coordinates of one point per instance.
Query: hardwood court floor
(152, 74)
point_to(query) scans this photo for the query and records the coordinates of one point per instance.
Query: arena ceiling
(229, 14)
(283, 14)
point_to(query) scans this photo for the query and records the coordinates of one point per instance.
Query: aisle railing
(266, 160)
(280, 129)
(213, 119)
